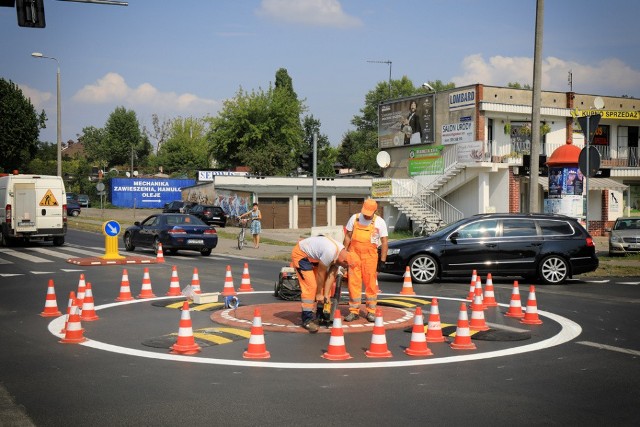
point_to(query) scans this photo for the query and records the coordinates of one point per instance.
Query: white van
(34, 207)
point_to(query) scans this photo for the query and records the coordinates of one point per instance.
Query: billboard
(406, 122)
(144, 193)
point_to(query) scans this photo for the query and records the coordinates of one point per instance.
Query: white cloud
(113, 89)
(324, 13)
(607, 77)
(39, 99)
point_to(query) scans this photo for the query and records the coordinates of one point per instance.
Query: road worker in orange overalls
(365, 232)
(316, 260)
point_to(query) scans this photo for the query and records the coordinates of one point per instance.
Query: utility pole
(535, 110)
(388, 62)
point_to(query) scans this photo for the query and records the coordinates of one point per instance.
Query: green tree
(326, 154)
(185, 149)
(46, 159)
(260, 130)
(19, 127)
(113, 144)
(516, 85)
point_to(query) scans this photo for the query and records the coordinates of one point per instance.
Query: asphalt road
(591, 379)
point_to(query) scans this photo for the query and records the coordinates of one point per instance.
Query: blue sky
(183, 58)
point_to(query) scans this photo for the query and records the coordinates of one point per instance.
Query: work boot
(311, 326)
(351, 317)
(371, 317)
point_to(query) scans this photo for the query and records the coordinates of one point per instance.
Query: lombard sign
(462, 99)
(146, 192)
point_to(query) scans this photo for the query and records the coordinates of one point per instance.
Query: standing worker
(316, 260)
(256, 224)
(365, 232)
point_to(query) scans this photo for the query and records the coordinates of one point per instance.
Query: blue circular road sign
(111, 228)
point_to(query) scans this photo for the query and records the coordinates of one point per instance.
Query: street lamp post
(59, 110)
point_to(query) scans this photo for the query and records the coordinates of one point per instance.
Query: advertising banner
(565, 181)
(454, 133)
(381, 188)
(406, 122)
(469, 152)
(426, 161)
(145, 193)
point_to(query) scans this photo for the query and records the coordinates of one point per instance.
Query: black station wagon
(550, 248)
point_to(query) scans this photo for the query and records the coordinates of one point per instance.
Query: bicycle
(426, 227)
(243, 224)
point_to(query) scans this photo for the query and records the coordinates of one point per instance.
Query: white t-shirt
(380, 227)
(322, 248)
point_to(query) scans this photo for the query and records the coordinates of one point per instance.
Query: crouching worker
(316, 260)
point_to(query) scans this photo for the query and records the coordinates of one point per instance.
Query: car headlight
(616, 239)
(393, 251)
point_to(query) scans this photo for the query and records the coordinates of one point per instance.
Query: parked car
(624, 237)
(173, 207)
(73, 208)
(551, 248)
(210, 214)
(174, 231)
(83, 200)
(186, 208)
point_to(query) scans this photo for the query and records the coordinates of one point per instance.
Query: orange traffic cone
(434, 328)
(407, 286)
(515, 305)
(462, 341)
(228, 289)
(337, 349)
(257, 348)
(245, 284)
(50, 302)
(146, 291)
(72, 298)
(478, 291)
(489, 298)
(125, 288)
(186, 343)
(88, 308)
(418, 344)
(378, 347)
(73, 330)
(81, 291)
(195, 282)
(159, 254)
(174, 284)
(531, 315)
(472, 287)
(477, 316)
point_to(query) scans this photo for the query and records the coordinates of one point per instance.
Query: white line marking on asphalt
(11, 274)
(629, 283)
(610, 348)
(24, 256)
(77, 250)
(49, 252)
(569, 331)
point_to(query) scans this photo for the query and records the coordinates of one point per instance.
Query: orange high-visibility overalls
(363, 243)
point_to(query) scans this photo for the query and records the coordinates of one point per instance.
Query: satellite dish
(598, 102)
(383, 159)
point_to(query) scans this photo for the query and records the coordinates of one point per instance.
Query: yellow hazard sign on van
(49, 199)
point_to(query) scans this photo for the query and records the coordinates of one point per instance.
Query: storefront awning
(594, 184)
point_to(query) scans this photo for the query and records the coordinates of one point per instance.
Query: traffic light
(30, 13)
(305, 164)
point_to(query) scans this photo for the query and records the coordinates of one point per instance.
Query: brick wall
(514, 193)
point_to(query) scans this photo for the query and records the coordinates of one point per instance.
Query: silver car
(624, 237)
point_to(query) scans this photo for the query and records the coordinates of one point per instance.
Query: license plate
(26, 224)
(634, 246)
(195, 241)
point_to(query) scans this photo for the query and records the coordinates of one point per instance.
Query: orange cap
(369, 207)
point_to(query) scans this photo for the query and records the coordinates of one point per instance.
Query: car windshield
(184, 220)
(448, 229)
(627, 224)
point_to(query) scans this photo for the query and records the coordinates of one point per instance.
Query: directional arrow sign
(111, 228)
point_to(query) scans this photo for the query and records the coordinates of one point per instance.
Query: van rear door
(25, 207)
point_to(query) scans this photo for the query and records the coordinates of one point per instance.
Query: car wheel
(553, 270)
(75, 213)
(128, 243)
(205, 251)
(58, 241)
(173, 251)
(423, 268)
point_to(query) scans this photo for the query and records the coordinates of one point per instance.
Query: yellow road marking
(396, 302)
(207, 306)
(212, 338)
(418, 300)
